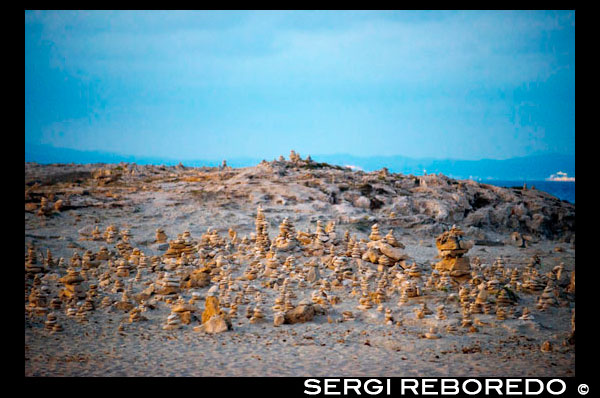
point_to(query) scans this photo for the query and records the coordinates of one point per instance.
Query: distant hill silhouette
(536, 167)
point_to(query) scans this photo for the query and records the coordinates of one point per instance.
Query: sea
(564, 190)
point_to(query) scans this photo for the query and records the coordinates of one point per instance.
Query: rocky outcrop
(424, 204)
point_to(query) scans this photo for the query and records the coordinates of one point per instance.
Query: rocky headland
(293, 267)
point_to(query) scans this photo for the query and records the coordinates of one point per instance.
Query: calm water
(561, 189)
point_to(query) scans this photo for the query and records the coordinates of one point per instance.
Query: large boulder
(304, 312)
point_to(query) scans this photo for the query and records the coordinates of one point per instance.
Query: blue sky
(214, 85)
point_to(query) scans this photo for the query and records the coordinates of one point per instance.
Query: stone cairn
(160, 236)
(452, 249)
(294, 157)
(111, 233)
(52, 324)
(32, 267)
(262, 242)
(73, 287)
(178, 248)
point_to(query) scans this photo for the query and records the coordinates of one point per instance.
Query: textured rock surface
(418, 203)
(302, 313)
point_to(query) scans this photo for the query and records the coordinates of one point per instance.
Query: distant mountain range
(536, 167)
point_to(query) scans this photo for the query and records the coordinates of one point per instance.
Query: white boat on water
(560, 176)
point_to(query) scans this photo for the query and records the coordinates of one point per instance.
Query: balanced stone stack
(111, 233)
(103, 254)
(135, 315)
(535, 282)
(38, 301)
(257, 314)
(294, 157)
(262, 241)
(168, 284)
(124, 304)
(51, 322)
(173, 322)
(72, 282)
(526, 315)
(96, 234)
(364, 303)
(123, 268)
(432, 334)
(124, 249)
(184, 310)
(320, 238)
(452, 249)
(286, 240)
(45, 208)
(32, 266)
(374, 236)
(503, 299)
(160, 236)
(548, 297)
(49, 261)
(125, 235)
(179, 247)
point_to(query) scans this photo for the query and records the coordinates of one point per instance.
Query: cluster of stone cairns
(386, 251)
(178, 248)
(167, 284)
(375, 270)
(295, 158)
(452, 249)
(47, 208)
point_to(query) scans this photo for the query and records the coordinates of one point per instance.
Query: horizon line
(259, 158)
